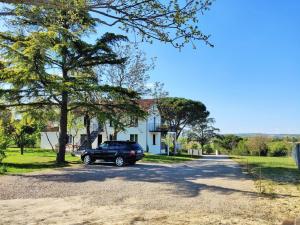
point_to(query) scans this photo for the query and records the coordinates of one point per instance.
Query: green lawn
(276, 169)
(167, 159)
(33, 160)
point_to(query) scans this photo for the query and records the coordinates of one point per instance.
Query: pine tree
(45, 61)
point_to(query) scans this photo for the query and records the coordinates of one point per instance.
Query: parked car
(120, 152)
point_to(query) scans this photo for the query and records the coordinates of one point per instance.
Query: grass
(278, 174)
(34, 159)
(167, 159)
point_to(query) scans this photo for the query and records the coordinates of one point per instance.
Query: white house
(147, 132)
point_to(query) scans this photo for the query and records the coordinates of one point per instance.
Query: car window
(122, 147)
(135, 146)
(113, 145)
(103, 146)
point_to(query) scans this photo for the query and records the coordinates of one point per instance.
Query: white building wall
(145, 137)
(53, 139)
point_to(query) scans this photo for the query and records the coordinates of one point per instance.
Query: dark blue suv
(120, 152)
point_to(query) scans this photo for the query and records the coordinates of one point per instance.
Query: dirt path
(212, 190)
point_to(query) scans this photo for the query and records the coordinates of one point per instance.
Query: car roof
(121, 142)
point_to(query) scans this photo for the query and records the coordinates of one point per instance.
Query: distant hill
(267, 135)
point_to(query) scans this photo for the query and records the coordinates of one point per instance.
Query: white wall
(142, 130)
(155, 149)
(53, 138)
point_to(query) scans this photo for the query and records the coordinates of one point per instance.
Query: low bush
(3, 168)
(208, 149)
(2, 155)
(279, 148)
(241, 149)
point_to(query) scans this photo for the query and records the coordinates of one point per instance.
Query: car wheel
(87, 160)
(119, 161)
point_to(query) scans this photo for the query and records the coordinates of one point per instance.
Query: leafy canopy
(203, 131)
(178, 113)
(174, 22)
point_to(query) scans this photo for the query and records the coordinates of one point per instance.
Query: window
(112, 137)
(110, 123)
(154, 139)
(70, 139)
(83, 138)
(134, 121)
(134, 137)
(99, 139)
(103, 146)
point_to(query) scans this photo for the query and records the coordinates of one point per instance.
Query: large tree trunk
(73, 143)
(88, 131)
(22, 149)
(63, 128)
(202, 148)
(174, 144)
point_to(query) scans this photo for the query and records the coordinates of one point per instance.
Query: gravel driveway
(212, 190)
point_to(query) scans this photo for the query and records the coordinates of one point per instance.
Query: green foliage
(263, 146)
(45, 61)
(2, 153)
(3, 143)
(23, 130)
(258, 145)
(208, 149)
(241, 149)
(203, 131)
(194, 145)
(180, 112)
(279, 148)
(5, 128)
(174, 22)
(3, 168)
(227, 142)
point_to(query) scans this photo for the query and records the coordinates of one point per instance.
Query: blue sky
(250, 81)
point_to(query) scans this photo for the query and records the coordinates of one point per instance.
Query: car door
(102, 151)
(112, 151)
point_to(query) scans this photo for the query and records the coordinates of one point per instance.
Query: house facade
(147, 132)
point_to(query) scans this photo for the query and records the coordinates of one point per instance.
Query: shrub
(183, 143)
(258, 145)
(208, 149)
(2, 155)
(279, 148)
(3, 144)
(193, 145)
(241, 149)
(3, 169)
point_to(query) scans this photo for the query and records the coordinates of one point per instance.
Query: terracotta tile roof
(145, 104)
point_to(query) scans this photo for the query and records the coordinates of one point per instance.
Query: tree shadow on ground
(38, 166)
(186, 177)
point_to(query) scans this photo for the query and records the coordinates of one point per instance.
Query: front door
(99, 139)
